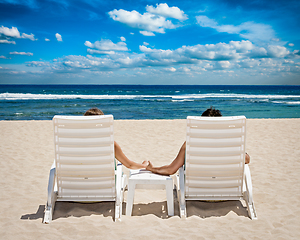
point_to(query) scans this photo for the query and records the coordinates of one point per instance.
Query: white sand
(26, 149)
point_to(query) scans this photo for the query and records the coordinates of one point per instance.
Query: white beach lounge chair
(215, 166)
(84, 169)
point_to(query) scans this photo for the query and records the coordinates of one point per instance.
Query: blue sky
(149, 42)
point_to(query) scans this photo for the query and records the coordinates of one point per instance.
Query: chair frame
(53, 193)
(246, 184)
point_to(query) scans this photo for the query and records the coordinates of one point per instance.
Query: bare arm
(177, 163)
(173, 167)
(127, 162)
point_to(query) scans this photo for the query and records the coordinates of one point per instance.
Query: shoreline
(177, 119)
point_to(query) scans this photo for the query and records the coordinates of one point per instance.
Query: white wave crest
(187, 97)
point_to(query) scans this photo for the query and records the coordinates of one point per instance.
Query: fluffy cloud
(47, 40)
(29, 36)
(58, 37)
(7, 42)
(248, 30)
(37, 64)
(14, 33)
(277, 51)
(212, 52)
(94, 51)
(169, 12)
(146, 33)
(21, 53)
(150, 22)
(222, 54)
(107, 45)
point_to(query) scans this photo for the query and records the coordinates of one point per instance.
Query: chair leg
(48, 215)
(130, 197)
(182, 208)
(170, 200)
(248, 197)
(117, 211)
(52, 195)
(181, 193)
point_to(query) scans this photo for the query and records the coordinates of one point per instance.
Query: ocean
(42, 102)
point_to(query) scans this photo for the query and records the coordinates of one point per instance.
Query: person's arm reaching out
(173, 167)
(127, 162)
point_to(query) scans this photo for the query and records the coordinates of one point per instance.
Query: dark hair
(211, 112)
(93, 111)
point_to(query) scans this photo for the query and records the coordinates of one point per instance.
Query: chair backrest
(215, 157)
(84, 156)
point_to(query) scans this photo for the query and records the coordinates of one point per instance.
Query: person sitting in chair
(118, 151)
(179, 160)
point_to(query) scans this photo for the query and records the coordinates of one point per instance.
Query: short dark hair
(212, 112)
(93, 111)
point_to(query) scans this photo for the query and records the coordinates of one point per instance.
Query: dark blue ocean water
(42, 102)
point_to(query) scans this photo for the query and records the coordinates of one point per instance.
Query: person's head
(93, 111)
(211, 112)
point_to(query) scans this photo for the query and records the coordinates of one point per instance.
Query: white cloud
(123, 39)
(145, 43)
(222, 65)
(107, 45)
(169, 12)
(58, 37)
(21, 53)
(233, 51)
(248, 30)
(248, 63)
(277, 51)
(47, 40)
(171, 69)
(7, 42)
(14, 33)
(275, 39)
(153, 21)
(93, 51)
(146, 33)
(145, 49)
(3, 57)
(222, 57)
(291, 44)
(88, 44)
(29, 36)
(37, 64)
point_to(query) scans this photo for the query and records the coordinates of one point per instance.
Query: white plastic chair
(84, 169)
(215, 166)
(143, 179)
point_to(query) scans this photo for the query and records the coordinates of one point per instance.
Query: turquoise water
(42, 102)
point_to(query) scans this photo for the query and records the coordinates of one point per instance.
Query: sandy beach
(27, 153)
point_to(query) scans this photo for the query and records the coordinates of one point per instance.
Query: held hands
(145, 164)
(150, 166)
